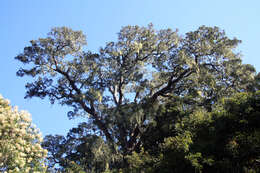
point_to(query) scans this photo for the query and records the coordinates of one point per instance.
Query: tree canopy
(122, 89)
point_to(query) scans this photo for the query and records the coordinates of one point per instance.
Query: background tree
(20, 149)
(120, 88)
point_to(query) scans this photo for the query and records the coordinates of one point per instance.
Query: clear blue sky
(22, 21)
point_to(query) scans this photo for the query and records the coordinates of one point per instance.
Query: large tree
(118, 88)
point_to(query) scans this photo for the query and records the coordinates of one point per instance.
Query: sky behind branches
(101, 20)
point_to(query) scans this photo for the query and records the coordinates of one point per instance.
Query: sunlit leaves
(20, 149)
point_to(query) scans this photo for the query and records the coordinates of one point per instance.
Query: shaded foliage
(224, 140)
(79, 149)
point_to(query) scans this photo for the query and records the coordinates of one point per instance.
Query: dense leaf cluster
(20, 141)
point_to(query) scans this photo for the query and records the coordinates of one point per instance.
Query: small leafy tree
(20, 141)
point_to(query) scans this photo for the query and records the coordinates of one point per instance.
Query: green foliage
(224, 140)
(79, 151)
(150, 89)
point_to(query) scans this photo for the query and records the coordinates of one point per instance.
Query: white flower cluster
(20, 149)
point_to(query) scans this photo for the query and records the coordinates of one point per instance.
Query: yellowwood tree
(118, 88)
